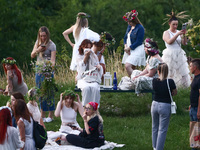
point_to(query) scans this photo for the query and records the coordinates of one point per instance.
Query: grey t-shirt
(46, 55)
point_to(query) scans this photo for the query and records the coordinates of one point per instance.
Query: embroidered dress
(145, 82)
(174, 56)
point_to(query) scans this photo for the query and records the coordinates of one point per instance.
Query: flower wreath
(105, 40)
(129, 16)
(150, 47)
(69, 92)
(6, 61)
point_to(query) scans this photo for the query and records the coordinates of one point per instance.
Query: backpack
(39, 135)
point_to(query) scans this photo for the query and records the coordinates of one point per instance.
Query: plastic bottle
(115, 82)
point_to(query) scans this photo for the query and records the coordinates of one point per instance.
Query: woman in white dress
(9, 139)
(67, 109)
(24, 124)
(134, 54)
(142, 80)
(89, 73)
(174, 56)
(33, 107)
(80, 32)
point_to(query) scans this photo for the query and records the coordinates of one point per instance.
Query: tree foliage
(21, 19)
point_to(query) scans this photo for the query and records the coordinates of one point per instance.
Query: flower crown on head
(129, 16)
(69, 92)
(6, 61)
(83, 16)
(150, 47)
(107, 41)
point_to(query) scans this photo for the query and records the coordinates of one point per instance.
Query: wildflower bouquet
(47, 87)
(193, 34)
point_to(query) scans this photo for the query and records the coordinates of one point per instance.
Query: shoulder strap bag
(173, 104)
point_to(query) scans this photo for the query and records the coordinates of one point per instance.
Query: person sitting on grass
(92, 135)
(33, 107)
(67, 109)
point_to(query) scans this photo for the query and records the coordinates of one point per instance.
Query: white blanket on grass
(52, 145)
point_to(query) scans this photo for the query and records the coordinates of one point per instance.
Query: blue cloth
(45, 105)
(14, 124)
(160, 113)
(137, 36)
(193, 116)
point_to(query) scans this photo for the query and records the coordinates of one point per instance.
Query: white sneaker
(49, 119)
(44, 119)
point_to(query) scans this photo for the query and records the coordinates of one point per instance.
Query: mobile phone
(184, 26)
(43, 45)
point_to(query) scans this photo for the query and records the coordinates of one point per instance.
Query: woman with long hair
(80, 32)
(174, 56)
(14, 77)
(33, 108)
(89, 73)
(161, 106)
(9, 139)
(45, 50)
(134, 54)
(143, 79)
(25, 124)
(92, 135)
(67, 110)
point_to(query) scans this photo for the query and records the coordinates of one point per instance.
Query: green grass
(127, 120)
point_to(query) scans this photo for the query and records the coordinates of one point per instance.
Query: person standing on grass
(134, 54)
(45, 50)
(195, 90)
(161, 106)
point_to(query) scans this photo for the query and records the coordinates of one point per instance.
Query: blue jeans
(193, 116)
(43, 103)
(160, 113)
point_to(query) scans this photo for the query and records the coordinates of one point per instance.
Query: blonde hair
(46, 30)
(163, 71)
(80, 23)
(96, 113)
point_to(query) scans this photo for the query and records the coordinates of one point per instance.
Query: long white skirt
(136, 58)
(178, 67)
(90, 91)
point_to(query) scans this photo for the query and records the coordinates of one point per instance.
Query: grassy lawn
(127, 120)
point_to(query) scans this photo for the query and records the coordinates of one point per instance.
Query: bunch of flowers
(48, 86)
(107, 38)
(150, 47)
(193, 34)
(129, 16)
(11, 62)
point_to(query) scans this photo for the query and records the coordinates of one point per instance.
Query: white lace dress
(35, 111)
(175, 57)
(85, 33)
(29, 141)
(145, 82)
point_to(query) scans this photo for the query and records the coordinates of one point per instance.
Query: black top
(96, 131)
(161, 90)
(194, 94)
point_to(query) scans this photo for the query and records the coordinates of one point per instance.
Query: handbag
(39, 135)
(194, 134)
(173, 104)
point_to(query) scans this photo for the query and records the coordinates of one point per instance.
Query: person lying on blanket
(92, 135)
